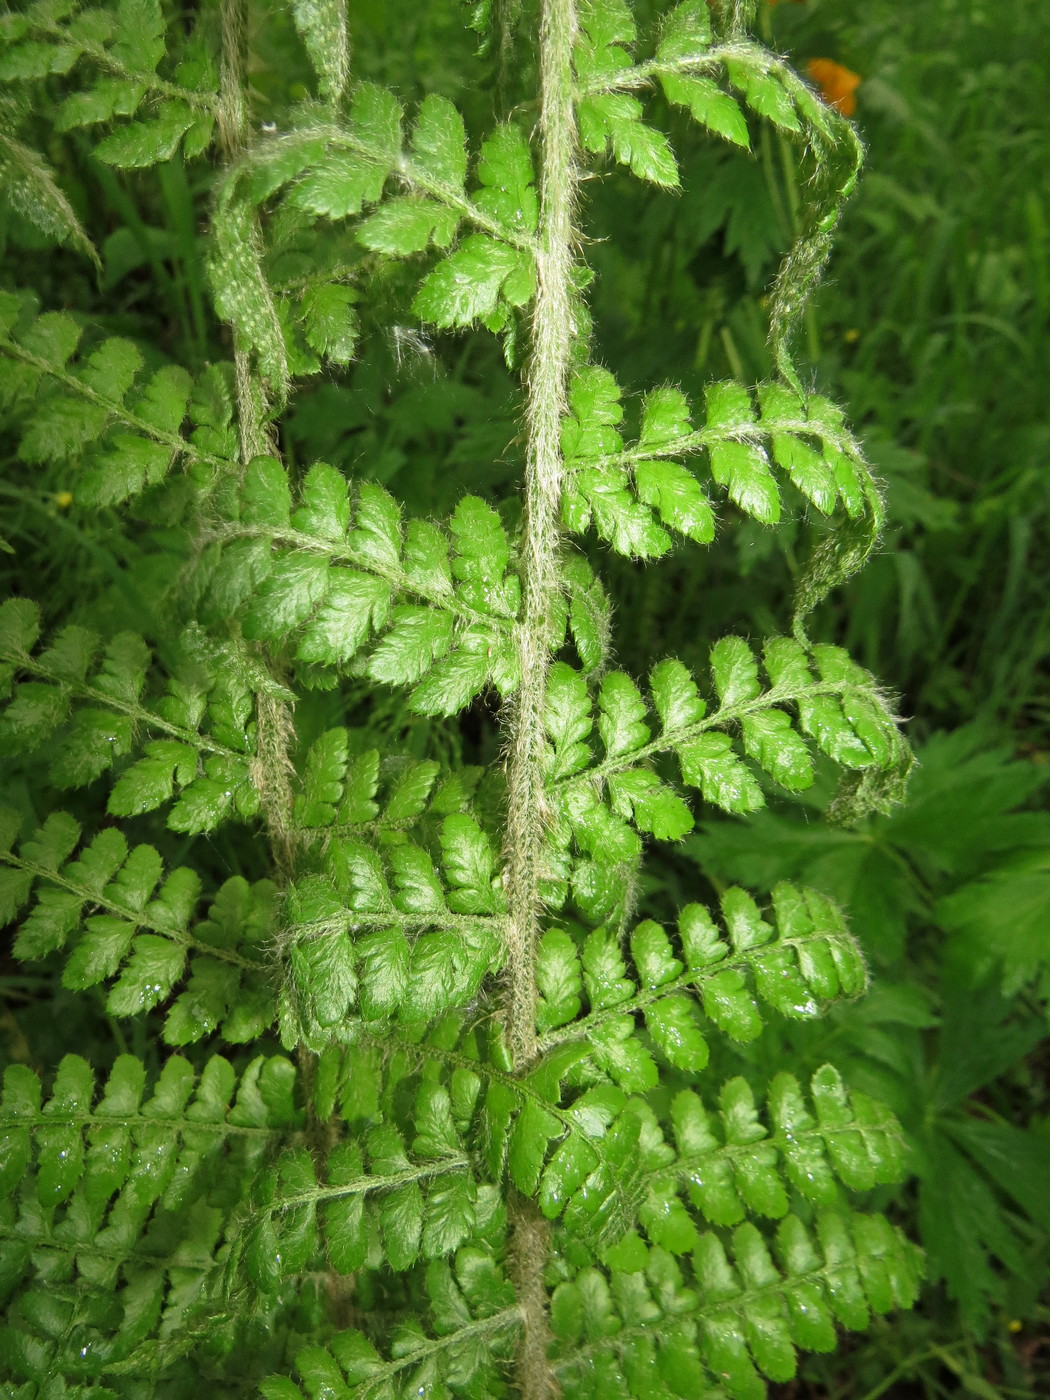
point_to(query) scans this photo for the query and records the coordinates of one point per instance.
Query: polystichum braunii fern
(496, 1165)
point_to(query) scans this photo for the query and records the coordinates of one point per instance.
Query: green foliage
(470, 1339)
(497, 1166)
(86, 709)
(839, 710)
(438, 603)
(145, 929)
(619, 1331)
(633, 495)
(30, 189)
(119, 429)
(113, 1212)
(117, 51)
(961, 863)
(804, 962)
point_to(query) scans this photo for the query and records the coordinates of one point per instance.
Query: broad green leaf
(559, 979)
(764, 93)
(506, 174)
(651, 951)
(533, 1130)
(622, 712)
(708, 105)
(685, 32)
(735, 671)
(329, 321)
(354, 605)
(340, 185)
(416, 639)
(675, 696)
(743, 469)
(652, 806)
(771, 741)
(710, 764)
(151, 971)
(408, 224)
(145, 143)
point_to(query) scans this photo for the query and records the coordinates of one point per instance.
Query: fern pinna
(489, 1160)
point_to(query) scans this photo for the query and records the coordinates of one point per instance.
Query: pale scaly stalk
(527, 808)
(271, 768)
(552, 332)
(235, 137)
(530, 1246)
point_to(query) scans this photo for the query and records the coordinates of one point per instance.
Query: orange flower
(837, 84)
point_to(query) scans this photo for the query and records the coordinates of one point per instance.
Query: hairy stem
(507, 18)
(530, 1245)
(272, 771)
(272, 768)
(235, 138)
(527, 809)
(552, 333)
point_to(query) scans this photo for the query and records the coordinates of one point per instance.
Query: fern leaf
(117, 50)
(123, 427)
(123, 921)
(471, 1336)
(86, 707)
(632, 495)
(839, 711)
(335, 577)
(123, 1201)
(805, 961)
(740, 1320)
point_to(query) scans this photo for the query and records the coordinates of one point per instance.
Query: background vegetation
(933, 330)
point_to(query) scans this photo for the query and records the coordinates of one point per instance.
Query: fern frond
(455, 1098)
(500, 1151)
(727, 1323)
(329, 170)
(362, 794)
(468, 1341)
(439, 604)
(118, 916)
(120, 429)
(839, 711)
(112, 1213)
(621, 490)
(120, 49)
(692, 64)
(373, 1207)
(91, 709)
(746, 1166)
(796, 968)
(382, 931)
